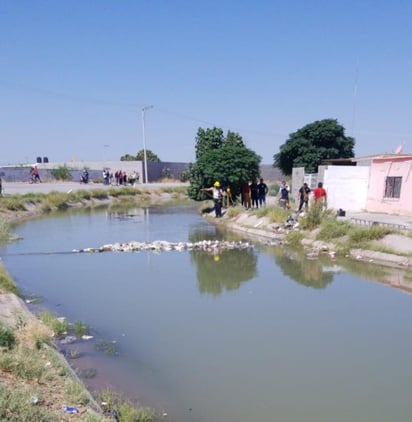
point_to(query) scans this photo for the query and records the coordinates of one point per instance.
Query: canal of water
(261, 334)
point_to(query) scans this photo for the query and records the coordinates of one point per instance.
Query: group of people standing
(253, 195)
(119, 178)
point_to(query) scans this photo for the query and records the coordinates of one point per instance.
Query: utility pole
(144, 141)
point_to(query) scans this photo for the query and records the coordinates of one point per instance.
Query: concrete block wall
(155, 171)
(95, 169)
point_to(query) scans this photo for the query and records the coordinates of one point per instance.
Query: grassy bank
(316, 225)
(15, 207)
(37, 384)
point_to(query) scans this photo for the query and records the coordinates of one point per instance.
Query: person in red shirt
(319, 195)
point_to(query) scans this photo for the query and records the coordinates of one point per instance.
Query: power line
(99, 101)
(75, 98)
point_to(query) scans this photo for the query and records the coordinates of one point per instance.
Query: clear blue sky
(75, 74)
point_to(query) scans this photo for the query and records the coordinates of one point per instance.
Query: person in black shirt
(262, 192)
(254, 194)
(304, 192)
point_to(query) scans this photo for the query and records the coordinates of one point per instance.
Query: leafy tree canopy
(127, 157)
(315, 142)
(221, 158)
(207, 139)
(151, 156)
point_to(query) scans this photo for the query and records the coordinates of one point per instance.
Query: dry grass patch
(7, 284)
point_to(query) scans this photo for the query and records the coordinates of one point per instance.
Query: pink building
(390, 185)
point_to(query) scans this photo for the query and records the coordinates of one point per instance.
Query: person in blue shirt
(262, 192)
(284, 195)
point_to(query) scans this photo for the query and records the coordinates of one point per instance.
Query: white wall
(347, 187)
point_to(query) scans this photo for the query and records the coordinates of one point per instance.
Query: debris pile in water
(162, 245)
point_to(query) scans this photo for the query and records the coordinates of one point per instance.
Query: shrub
(13, 203)
(277, 215)
(116, 404)
(184, 176)
(99, 194)
(332, 229)
(235, 211)
(16, 405)
(262, 212)
(58, 325)
(55, 200)
(7, 338)
(80, 328)
(363, 234)
(7, 284)
(33, 333)
(24, 363)
(314, 217)
(294, 238)
(166, 174)
(61, 173)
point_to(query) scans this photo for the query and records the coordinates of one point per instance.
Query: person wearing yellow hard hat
(217, 197)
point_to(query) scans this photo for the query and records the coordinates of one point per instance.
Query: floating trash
(86, 337)
(33, 299)
(68, 340)
(69, 409)
(164, 246)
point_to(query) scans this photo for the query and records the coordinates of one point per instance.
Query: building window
(393, 187)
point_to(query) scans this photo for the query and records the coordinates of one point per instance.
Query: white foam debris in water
(163, 245)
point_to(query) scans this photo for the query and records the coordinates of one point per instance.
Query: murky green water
(250, 335)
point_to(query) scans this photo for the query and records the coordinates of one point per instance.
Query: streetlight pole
(144, 140)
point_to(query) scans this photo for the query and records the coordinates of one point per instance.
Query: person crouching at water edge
(217, 197)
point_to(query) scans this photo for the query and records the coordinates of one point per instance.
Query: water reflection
(316, 273)
(320, 271)
(395, 277)
(225, 271)
(135, 214)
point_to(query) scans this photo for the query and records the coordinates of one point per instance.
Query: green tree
(128, 157)
(151, 156)
(221, 158)
(315, 142)
(207, 139)
(234, 139)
